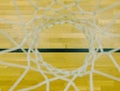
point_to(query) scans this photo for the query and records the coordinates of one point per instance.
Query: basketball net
(87, 25)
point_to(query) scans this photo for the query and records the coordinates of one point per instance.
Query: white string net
(89, 27)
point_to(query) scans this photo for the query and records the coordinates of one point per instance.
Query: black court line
(61, 50)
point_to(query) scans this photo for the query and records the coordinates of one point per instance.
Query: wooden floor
(59, 36)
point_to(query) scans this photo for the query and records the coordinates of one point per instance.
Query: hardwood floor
(59, 36)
